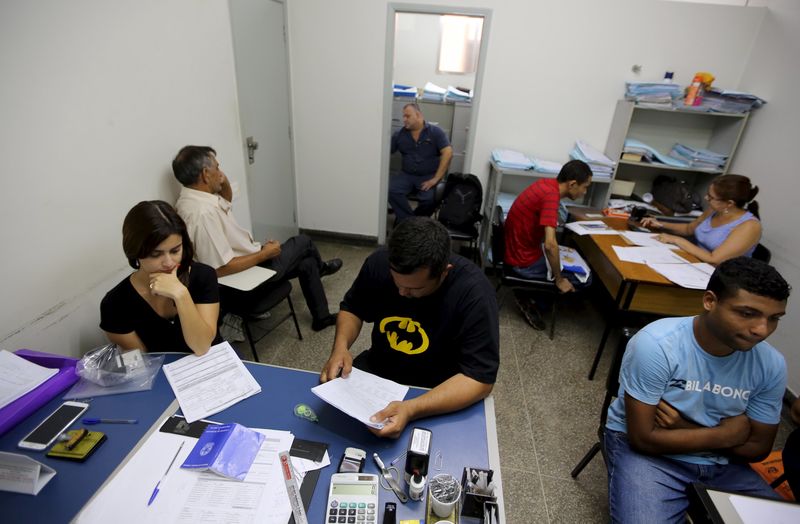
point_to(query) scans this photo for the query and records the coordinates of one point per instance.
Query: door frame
(392, 9)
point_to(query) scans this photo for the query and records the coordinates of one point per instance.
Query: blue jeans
(400, 185)
(645, 488)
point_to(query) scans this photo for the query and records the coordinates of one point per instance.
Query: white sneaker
(231, 328)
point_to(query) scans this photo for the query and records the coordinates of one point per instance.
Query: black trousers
(299, 259)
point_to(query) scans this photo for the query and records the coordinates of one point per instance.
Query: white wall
(97, 96)
(769, 156)
(554, 70)
(416, 53)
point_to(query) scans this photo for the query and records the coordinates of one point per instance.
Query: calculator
(352, 499)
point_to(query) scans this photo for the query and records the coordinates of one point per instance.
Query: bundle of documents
(600, 164)
(649, 154)
(727, 101)
(570, 260)
(546, 166)
(19, 376)
(511, 159)
(433, 92)
(653, 94)
(206, 385)
(404, 91)
(699, 158)
(361, 395)
(457, 95)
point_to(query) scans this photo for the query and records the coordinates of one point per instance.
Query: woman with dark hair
(169, 303)
(729, 228)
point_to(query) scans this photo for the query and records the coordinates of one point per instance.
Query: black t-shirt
(124, 310)
(425, 341)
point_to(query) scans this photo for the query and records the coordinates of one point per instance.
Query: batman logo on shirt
(404, 335)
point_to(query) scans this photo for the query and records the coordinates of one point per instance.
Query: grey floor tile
(571, 501)
(524, 498)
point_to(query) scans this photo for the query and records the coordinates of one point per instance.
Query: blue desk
(465, 438)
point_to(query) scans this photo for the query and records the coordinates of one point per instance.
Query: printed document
(206, 385)
(646, 255)
(248, 279)
(21, 474)
(692, 276)
(645, 239)
(360, 395)
(591, 227)
(19, 376)
(188, 495)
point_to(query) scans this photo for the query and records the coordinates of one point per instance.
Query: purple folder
(14, 413)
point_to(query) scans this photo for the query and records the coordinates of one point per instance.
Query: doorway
(432, 46)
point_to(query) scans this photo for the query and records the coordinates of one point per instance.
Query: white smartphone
(45, 433)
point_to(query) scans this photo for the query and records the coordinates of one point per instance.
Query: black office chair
(762, 253)
(252, 312)
(507, 278)
(612, 388)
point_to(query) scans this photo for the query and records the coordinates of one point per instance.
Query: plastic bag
(107, 370)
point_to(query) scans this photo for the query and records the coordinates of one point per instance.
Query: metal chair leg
(249, 335)
(585, 460)
(294, 317)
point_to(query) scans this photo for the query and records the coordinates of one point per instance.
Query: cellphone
(59, 420)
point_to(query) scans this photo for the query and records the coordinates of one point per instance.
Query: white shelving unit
(662, 129)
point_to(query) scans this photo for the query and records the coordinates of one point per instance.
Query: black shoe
(318, 324)
(531, 314)
(330, 267)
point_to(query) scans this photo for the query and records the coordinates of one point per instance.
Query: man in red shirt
(531, 226)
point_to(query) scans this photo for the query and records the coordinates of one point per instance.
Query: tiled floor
(547, 410)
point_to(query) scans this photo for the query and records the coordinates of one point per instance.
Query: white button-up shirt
(216, 235)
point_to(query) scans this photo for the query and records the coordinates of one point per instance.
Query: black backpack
(675, 194)
(461, 203)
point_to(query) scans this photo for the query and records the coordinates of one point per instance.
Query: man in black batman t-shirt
(435, 324)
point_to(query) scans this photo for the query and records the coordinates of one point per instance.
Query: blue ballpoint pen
(93, 421)
(155, 490)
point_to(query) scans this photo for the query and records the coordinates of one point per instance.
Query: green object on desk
(305, 412)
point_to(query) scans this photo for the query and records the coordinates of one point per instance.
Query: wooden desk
(634, 287)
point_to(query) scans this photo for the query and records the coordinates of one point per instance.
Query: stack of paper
(546, 166)
(653, 94)
(571, 261)
(699, 158)
(511, 159)
(728, 101)
(457, 95)
(361, 395)
(650, 154)
(404, 91)
(600, 164)
(206, 385)
(591, 227)
(433, 92)
(19, 376)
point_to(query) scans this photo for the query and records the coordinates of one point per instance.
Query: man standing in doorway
(426, 157)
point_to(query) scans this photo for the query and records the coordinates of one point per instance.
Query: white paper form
(19, 376)
(648, 255)
(755, 511)
(21, 474)
(360, 395)
(692, 276)
(206, 385)
(188, 495)
(248, 279)
(591, 227)
(638, 238)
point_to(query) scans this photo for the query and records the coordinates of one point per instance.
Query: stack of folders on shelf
(699, 158)
(458, 95)
(404, 91)
(511, 159)
(600, 164)
(433, 92)
(641, 152)
(727, 101)
(546, 166)
(653, 94)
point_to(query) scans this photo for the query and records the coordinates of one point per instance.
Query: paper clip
(438, 460)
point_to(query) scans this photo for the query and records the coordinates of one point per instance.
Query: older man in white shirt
(219, 241)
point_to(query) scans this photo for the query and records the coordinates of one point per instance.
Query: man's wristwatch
(352, 460)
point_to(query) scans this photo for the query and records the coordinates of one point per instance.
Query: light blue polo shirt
(664, 361)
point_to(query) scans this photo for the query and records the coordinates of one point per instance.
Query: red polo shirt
(533, 210)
